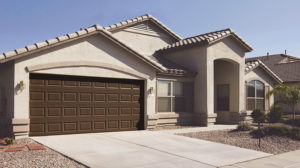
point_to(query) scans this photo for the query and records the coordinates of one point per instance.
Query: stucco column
(204, 92)
(211, 115)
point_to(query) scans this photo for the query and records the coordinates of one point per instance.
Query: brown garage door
(70, 105)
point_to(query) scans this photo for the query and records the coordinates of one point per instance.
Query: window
(223, 97)
(255, 95)
(170, 96)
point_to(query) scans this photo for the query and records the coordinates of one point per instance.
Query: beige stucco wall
(143, 41)
(227, 73)
(261, 75)
(227, 49)
(195, 60)
(201, 60)
(96, 49)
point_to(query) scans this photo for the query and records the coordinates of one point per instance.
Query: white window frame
(255, 95)
(171, 94)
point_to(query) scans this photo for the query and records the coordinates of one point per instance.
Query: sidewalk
(199, 129)
(285, 160)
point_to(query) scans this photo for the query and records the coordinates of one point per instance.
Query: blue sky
(267, 25)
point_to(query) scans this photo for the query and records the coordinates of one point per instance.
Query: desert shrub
(258, 116)
(9, 141)
(276, 114)
(292, 122)
(295, 133)
(277, 130)
(244, 126)
(282, 131)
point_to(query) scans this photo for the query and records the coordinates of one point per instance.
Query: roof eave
(13, 55)
(142, 19)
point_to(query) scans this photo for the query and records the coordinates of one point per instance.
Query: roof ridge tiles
(208, 38)
(140, 19)
(51, 41)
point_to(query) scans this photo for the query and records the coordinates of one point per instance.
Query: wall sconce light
(21, 85)
(151, 90)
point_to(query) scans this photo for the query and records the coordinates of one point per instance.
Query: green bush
(295, 133)
(9, 141)
(244, 126)
(277, 130)
(258, 116)
(292, 122)
(282, 131)
(276, 114)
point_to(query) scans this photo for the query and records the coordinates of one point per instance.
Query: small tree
(288, 95)
(276, 114)
(259, 117)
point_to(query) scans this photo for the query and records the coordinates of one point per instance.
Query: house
(137, 74)
(284, 66)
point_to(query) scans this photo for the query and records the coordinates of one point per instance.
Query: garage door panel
(37, 95)
(99, 111)
(70, 126)
(99, 126)
(37, 112)
(37, 127)
(70, 96)
(70, 104)
(70, 111)
(85, 126)
(54, 83)
(54, 112)
(55, 96)
(54, 127)
(85, 97)
(85, 111)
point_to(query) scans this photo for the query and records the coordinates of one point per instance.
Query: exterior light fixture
(21, 85)
(151, 90)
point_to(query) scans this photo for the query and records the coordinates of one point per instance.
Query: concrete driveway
(147, 149)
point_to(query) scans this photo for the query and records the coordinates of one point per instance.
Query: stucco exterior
(95, 49)
(201, 60)
(133, 52)
(144, 37)
(260, 75)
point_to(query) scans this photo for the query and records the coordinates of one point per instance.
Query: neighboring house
(133, 75)
(285, 67)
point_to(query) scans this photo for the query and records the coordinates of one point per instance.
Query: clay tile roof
(171, 67)
(251, 65)
(208, 38)
(17, 53)
(284, 66)
(141, 19)
(46, 43)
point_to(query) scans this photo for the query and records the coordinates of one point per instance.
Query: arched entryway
(226, 90)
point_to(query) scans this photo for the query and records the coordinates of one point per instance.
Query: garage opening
(73, 104)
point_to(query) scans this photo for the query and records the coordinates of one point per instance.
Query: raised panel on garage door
(71, 104)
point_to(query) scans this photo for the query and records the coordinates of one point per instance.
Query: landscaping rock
(35, 158)
(243, 139)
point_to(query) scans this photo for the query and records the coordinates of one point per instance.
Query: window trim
(255, 95)
(171, 95)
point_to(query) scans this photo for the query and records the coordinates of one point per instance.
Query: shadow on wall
(6, 129)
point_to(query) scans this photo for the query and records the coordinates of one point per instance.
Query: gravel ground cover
(35, 159)
(269, 144)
